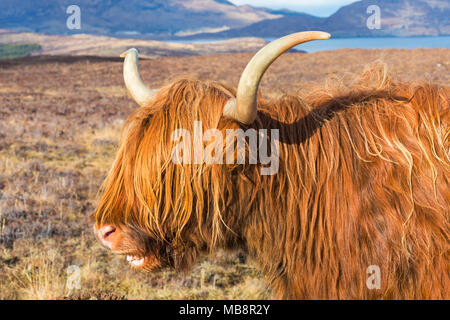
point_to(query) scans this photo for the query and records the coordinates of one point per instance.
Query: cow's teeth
(135, 261)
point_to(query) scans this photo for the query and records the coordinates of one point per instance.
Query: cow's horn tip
(124, 54)
(325, 35)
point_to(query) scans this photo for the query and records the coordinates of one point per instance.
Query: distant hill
(270, 28)
(398, 18)
(203, 19)
(139, 18)
(21, 44)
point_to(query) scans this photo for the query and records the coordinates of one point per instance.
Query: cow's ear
(229, 111)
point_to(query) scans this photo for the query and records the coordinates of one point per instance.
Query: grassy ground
(59, 124)
(90, 45)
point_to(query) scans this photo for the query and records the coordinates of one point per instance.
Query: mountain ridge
(221, 19)
(398, 18)
(140, 18)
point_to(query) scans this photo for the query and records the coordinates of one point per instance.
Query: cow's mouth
(136, 262)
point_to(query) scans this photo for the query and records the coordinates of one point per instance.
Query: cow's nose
(106, 235)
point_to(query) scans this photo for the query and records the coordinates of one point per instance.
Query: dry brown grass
(59, 123)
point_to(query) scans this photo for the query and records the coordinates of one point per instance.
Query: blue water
(376, 43)
(365, 43)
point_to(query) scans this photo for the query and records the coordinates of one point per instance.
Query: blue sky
(321, 8)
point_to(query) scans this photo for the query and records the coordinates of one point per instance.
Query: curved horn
(244, 107)
(133, 81)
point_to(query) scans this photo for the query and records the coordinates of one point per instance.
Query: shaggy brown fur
(364, 179)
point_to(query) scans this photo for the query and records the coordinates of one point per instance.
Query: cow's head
(160, 213)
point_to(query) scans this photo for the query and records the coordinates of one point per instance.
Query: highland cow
(363, 183)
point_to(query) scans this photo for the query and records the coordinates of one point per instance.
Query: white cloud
(293, 2)
(316, 7)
